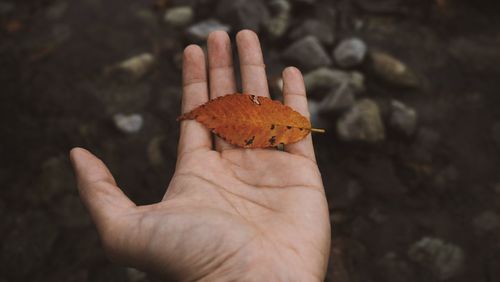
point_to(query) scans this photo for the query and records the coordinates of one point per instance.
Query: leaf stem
(318, 130)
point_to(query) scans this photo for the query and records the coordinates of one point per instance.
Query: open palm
(228, 214)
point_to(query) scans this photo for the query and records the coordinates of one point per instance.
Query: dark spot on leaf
(289, 127)
(301, 129)
(272, 126)
(249, 141)
(272, 140)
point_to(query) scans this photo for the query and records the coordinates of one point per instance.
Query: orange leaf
(251, 121)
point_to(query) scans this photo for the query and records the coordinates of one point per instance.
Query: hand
(228, 214)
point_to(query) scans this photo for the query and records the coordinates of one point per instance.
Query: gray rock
(350, 52)
(307, 53)
(155, 154)
(135, 67)
(444, 259)
(27, 246)
(495, 133)
(357, 81)
(179, 16)
(277, 25)
(393, 71)
(362, 123)
(486, 221)
(324, 80)
(135, 275)
(201, 30)
(243, 14)
(403, 118)
(337, 100)
(316, 28)
(128, 123)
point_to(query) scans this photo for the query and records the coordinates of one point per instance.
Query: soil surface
(417, 207)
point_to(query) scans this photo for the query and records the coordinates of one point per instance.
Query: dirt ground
(423, 207)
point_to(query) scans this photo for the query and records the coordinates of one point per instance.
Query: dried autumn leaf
(251, 121)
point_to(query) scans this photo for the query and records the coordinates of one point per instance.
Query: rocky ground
(407, 89)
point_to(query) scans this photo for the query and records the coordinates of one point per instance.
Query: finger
(97, 187)
(221, 72)
(253, 70)
(294, 93)
(193, 135)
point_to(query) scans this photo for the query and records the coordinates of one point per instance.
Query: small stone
(357, 81)
(135, 67)
(403, 118)
(135, 275)
(277, 25)
(128, 123)
(155, 154)
(320, 30)
(201, 30)
(307, 53)
(350, 52)
(179, 16)
(362, 123)
(445, 260)
(337, 100)
(393, 71)
(487, 221)
(324, 80)
(243, 14)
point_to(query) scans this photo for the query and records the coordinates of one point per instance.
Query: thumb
(98, 191)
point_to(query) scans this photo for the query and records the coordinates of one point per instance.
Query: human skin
(229, 214)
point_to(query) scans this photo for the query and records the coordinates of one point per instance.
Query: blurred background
(407, 89)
